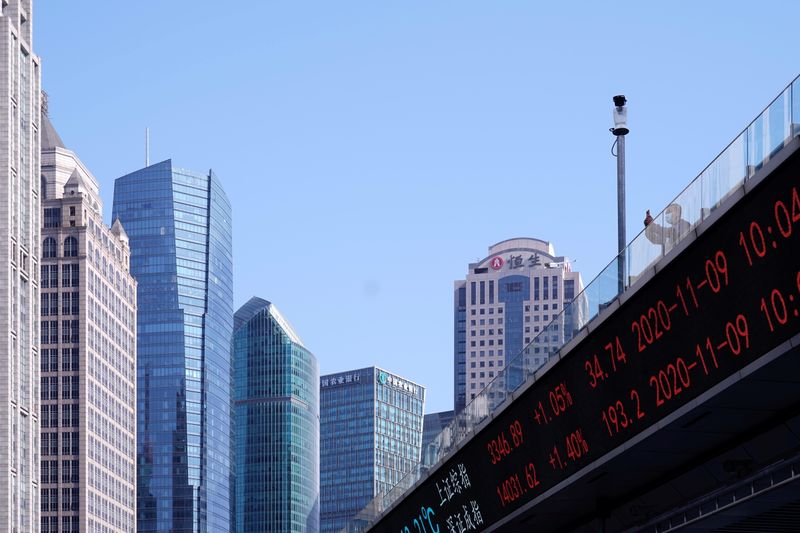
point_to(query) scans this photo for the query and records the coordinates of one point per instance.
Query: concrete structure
(371, 436)
(179, 223)
(276, 401)
(502, 306)
(20, 95)
(88, 354)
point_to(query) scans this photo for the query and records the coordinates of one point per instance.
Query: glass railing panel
(725, 174)
(796, 106)
(779, 122)
(755, 144)
(648, 246)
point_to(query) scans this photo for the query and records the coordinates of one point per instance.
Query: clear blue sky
(371, 150)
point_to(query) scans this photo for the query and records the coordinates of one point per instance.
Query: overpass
(676, 404)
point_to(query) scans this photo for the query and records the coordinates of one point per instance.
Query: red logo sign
(497, 263)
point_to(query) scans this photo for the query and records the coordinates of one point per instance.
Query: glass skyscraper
(276, 402)
(371, 437)
(179, 225)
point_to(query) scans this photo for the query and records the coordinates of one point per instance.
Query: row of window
(70, 416)
(69, 501)
(70, 445)
(70, 303)
(69, 524)
(69, 471)
(50, 248)
(70, 276)
(70, 360)
(70, 332)
(70, 387)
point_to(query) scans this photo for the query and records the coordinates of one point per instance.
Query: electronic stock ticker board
(727, 299)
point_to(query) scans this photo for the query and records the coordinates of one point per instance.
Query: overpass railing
(750, 150)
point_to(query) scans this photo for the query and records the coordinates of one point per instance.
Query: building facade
(179, 224)
(276, 401)
(20, 94)
(370, 438)
(88, 354)
(503, 305)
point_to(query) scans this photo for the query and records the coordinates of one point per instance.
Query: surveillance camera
(620, 100)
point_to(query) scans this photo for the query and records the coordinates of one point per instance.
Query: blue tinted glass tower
(179, 224)
(371, 437)
(276, 402)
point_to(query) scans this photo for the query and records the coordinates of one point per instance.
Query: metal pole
(621, 240)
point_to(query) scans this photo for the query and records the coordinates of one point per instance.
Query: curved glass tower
(277, 424)
(179, 224)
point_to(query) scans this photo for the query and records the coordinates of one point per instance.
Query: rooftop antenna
(147, 147)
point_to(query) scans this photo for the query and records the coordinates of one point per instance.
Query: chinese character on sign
(450, 526)
(461, 528)
(455, 481)
(534, 260)
(325, 382)
(357, 377)
(341, 380)
(467, 518)
(448, 489)
(476, 513)
(464, 477)
(515, 261)
(348, 378)
(443, 497)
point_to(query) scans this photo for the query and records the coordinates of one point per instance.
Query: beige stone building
(88, 354)
(19, 267)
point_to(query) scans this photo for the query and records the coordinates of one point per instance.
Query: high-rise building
(276, 401)
(502, 306)
(20, 93)
(370, 438)
(88, 354)
(179, 224)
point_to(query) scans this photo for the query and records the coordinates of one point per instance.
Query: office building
(179, 224)
(88, 354)
(502, 306)
(276, 401)
(20, 207)
(370, 438)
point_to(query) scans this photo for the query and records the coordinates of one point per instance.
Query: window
(49, 276)
(70, 276)
(52, 217)
(70, 360)
(49, 248)
(70, 304)
(72, 210)
(70, 247)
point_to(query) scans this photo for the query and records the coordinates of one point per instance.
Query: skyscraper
(88, 354)
(20, 93)
(277, 424)
(503, 305)
(179, 224)
(371, 437)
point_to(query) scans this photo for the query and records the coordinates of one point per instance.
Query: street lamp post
(620, 130)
